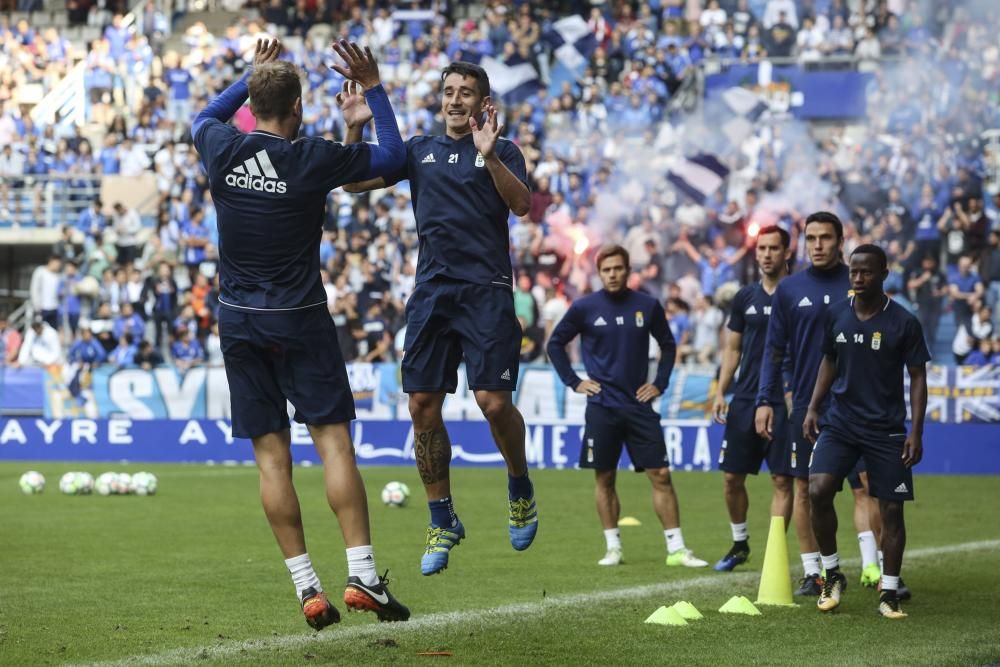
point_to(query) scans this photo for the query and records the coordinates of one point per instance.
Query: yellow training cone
(629, 521)
(687, 611)
(739, 605)
(775, 579)
(666, 616)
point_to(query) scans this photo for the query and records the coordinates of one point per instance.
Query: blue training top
(614, 332)
(870, 356)
(798, 308)
(461, 217)
(270, 195)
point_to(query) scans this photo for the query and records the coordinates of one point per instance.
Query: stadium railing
(58, 199)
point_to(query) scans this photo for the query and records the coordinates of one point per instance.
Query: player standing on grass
(614, 325)
(798, 307)
(743, 449)
(278, 341)
(464, 186)
(797, 317)
(867, 341)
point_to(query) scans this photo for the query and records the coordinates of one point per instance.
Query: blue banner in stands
(961, 394)
(804, 93)
(691, 444)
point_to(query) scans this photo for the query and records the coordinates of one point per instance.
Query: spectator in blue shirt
(86, 349)
(965, 288)
(982, 355)
(117, 35)
(186, 350)
(69, 300)
(194, 239)
(680, 325)
(129, 323)
(123, 355)
(179, 103)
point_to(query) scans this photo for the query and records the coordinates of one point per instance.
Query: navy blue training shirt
(870, 356)
(749, 317)
(614, 332)
(798, 309)
(461, 217)
(270, 195)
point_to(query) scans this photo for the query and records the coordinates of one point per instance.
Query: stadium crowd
(910, 177)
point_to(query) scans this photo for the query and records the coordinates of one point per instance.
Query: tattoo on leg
(433, 454)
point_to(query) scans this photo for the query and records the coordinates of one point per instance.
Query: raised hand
(267, 50)
(485, 137)
(359, 66)
(353, 105)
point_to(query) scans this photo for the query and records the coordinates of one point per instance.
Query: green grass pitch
(192, 576)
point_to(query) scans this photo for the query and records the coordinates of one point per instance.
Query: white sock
(361, 564)
(613, 537)
(675, 540)
(880, 559)
(830, 562)
(869, 549)
(810, 563)
(740, 533)
(303, 575)
(890, 583)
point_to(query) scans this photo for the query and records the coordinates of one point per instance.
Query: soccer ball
(32, 482)
(105, 483)
(144, 483)
(86, 482)
(395, 494)
(70, 483)
(122, 485)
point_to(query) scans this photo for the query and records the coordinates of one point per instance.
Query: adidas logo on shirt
(805, 302)
(902, 488)
(599, 322)
(841, 338)
(752, 310)
(429, 159)
(257, 173)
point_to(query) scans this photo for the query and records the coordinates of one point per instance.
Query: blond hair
(274, 87)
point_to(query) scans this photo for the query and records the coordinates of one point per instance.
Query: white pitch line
(480, 617)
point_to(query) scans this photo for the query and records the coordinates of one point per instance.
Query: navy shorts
(838, 450)
(607, 429)
(854, 477)
(742, 449)
(448, 320)
(272, 358)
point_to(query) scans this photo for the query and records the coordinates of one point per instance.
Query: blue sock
(442, 513)
(519, 487)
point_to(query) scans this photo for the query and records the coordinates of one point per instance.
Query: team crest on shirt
(876, 340)
(480, 160)
(638, 319)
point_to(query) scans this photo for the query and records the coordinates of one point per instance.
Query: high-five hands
(353, 105)
(359, 65)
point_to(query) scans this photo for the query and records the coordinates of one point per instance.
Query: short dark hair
(872, 249)
(611, 251)
(472, 70)
(273, 88)
(830, 219)
(786, 238)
